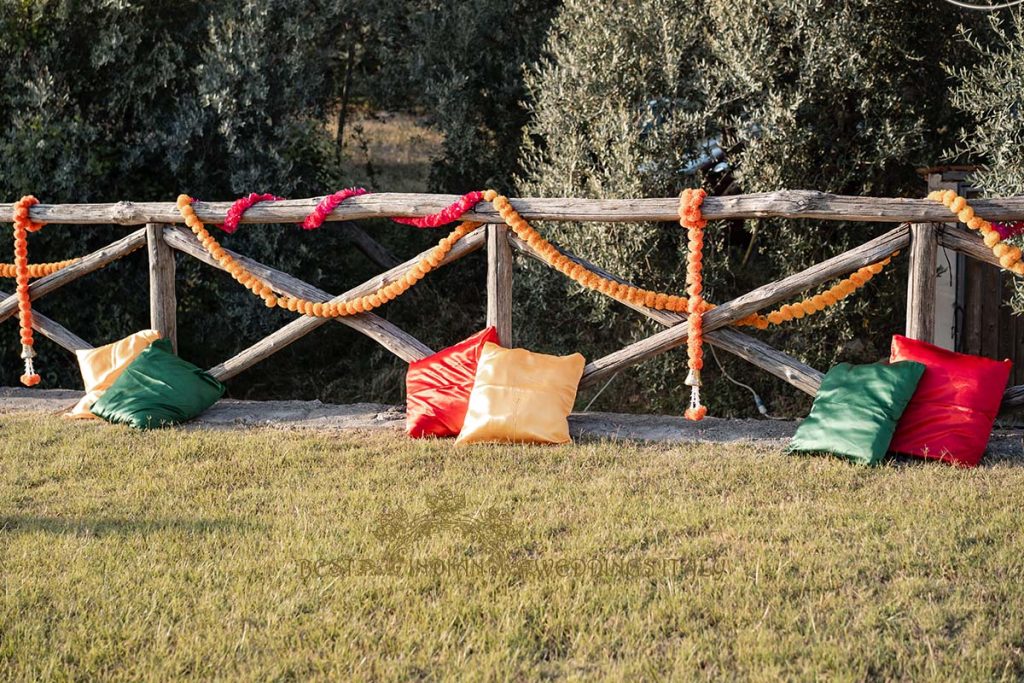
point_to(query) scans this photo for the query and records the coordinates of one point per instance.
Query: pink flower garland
(329, 204)
(449, 214)
(323, 209)
(241, 206)
(1007, 230)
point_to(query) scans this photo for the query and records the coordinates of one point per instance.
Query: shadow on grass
(108, 526)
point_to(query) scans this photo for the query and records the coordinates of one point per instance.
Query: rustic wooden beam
(921, 285)
(371, 248)
(385, 333)
(1013, 398)
(499, 282)
(163, 304)
(83, 266)
(768, 358)
(754, 351)
(56, 332)
(762, 297)
(967, 243)
(783, 203)
(183, 240)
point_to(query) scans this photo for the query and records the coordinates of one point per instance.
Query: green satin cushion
(856, 410)
(158, 389)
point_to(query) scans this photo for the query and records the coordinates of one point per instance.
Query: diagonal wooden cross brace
(83, 266)
(388, 335)
(755, 351)
(751, 302)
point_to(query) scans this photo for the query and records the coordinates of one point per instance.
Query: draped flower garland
(994, 234)
(690, 217)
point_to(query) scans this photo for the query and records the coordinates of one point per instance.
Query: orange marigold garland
(691, 218)
(1009, 256)
(22, 226)
(35, 270)
(829, 297)
(662, 301)
(319, 309)
(553, 257)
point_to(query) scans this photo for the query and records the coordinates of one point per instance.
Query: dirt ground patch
(301, 415)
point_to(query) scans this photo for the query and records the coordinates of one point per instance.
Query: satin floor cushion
(437, 387)
(951, 415)
(158, 389)
(521, 397)
(856, 409)
(101, 366)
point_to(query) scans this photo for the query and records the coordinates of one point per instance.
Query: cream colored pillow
(101, 366)
(520, 396)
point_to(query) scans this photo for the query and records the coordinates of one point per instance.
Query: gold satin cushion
(101, 366)
(521, 396)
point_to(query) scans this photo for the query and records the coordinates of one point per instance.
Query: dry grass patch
(179, 554)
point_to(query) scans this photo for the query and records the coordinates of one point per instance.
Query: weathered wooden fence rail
(782, 204)
(924, 227)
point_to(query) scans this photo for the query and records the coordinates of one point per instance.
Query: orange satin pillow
(101, 366)
(522, 397)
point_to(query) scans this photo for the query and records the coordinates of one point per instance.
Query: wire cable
(761, 407)
(984, 8)
(599, 392)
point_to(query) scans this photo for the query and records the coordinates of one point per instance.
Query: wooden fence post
(162, 301)
(499, 282)
(921, 289)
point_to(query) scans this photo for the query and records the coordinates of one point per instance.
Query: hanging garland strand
(829, 297)
(1009, 256)
(22, 226)
(691, 218)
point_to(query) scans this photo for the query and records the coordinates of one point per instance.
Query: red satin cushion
(437, 387)
(951, 414)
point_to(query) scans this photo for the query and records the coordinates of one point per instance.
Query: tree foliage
(103, 101)
(463, 63)
(990, 94)
(647, 97)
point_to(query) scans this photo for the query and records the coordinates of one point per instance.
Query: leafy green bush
(989, 93)
(645, 98)
(103, 101)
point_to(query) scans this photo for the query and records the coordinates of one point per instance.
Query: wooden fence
(921, 228)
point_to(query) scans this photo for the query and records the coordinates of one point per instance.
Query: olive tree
(648, 97)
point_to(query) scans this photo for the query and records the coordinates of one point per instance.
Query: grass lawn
(199, 554)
